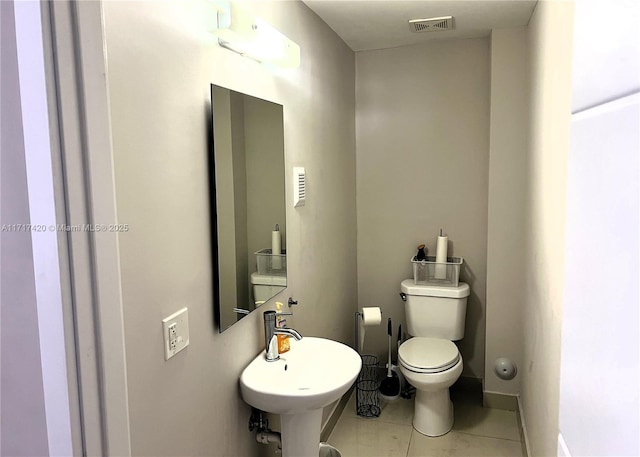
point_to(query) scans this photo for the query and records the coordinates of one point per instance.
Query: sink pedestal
(313, 374)
(300, 433)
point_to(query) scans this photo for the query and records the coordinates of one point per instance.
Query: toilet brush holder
(397, 373)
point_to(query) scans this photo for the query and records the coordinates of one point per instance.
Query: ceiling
(379, 24)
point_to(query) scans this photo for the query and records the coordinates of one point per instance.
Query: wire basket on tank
(271, 264)
(367, 399)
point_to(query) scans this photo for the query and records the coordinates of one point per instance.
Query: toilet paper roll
(369, 317)
(276, 249)
(441, 257)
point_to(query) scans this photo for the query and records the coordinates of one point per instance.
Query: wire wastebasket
(367, 399)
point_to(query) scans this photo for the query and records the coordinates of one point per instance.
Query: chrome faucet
(270, 332)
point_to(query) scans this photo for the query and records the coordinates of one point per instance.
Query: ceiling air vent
(433, 24)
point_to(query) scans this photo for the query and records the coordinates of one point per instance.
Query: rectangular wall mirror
(247, 203)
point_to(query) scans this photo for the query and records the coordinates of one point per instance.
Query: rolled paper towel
(276, 249)
(369, 317)
(441, 257)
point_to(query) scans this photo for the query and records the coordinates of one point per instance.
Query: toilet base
(433, 412)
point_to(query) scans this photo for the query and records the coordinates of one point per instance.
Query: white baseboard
(332, 420)
(498, 400)
(524, 437)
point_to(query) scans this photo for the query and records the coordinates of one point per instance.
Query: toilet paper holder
(364, 318)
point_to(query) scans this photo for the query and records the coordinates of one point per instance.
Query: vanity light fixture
(240, 31)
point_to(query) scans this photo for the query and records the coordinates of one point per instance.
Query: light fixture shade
(235, 24)
(241, 32)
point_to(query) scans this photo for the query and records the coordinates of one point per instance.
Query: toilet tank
(435, 311)
(266, 286)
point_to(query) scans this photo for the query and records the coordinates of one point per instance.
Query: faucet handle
(292, 302)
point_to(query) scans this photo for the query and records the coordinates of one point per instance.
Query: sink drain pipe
(260, 424)
(267, 436)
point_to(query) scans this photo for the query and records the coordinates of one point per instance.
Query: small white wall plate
(299, 186)
(175, 329)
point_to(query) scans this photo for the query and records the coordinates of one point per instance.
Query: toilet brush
(390, 386)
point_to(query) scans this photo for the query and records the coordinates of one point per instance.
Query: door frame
(84, 187)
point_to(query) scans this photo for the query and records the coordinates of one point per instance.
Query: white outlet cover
(181, 338)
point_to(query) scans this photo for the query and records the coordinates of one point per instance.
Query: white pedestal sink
(313, 374)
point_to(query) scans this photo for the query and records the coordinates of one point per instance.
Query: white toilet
(430, 360)
(264, 287)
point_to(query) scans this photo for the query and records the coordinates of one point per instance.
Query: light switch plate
(175, 329)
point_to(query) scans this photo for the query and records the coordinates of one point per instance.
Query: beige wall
(265, 174)
(239, 180)
(422, 163)
(549, 37)
(507, 190)
(161, 62)
(23, 420)
(225, 204)
(602, 323)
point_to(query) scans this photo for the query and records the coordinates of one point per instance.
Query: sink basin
(313, 374)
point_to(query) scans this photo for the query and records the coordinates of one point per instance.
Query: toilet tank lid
(409, 287)
(268, 280)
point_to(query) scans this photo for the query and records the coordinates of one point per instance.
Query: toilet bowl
(430, 361)
(431, 365)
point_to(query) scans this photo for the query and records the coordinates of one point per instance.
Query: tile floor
(477, 432)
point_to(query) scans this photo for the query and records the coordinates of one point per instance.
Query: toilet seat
(428, 355)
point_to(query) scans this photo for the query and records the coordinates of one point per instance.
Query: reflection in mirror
(248, 203)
